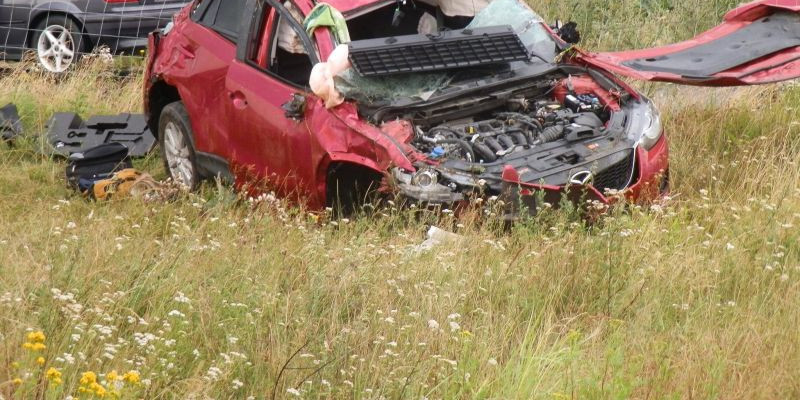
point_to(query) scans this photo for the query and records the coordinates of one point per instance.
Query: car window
(225, 19)
(289, 57)
(231, 16)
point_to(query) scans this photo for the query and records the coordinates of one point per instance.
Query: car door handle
(238, 99)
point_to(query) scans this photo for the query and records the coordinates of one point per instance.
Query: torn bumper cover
(423, 186)
(648, 181)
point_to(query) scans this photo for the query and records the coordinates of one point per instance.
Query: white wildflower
(454, 326)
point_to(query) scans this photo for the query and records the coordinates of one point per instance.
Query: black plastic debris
(10, 124)
(69, 134)
(447, 50)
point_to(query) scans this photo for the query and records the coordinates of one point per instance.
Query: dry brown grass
(694, 298)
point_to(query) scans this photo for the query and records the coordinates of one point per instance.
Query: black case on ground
(97, 163)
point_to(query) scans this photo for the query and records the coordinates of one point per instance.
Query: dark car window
(289, 57)
(224, 16)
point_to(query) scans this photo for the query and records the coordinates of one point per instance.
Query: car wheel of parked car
(175, 137)
(58, 42)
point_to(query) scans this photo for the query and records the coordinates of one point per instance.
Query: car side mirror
(295, 108)
(568, 32)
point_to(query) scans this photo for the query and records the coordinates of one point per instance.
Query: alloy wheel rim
(56, 48)
(177, 154)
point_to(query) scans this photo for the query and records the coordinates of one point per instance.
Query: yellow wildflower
(17, 381)
(132, 377)
(40, 360)
(53, 373)
(88, 377)
(36, 337)
(98, 389)
(34, 346)
(113, 376)
(15, 365)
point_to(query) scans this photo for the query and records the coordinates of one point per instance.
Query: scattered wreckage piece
(106, 172)
(757, 43)
(10, 123)
(436, 237)
(69, 134)
(444, 51)
(99, 162)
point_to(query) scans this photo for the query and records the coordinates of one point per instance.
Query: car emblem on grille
(582, 178)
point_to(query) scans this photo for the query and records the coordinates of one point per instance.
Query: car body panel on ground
(757, 43)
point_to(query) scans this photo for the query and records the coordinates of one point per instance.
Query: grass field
(211, 296)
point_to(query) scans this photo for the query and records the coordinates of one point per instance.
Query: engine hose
(551, 133)
(506, 141)
(462, 143)
(521, 139)
(535, 125)
(524, 119)
(484, 152)
(521, 136)
(493, 144)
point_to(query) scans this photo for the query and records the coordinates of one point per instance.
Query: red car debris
(227, 92)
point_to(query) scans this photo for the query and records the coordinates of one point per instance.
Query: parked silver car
(60, 30)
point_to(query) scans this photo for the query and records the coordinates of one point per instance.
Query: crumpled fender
(341, 136)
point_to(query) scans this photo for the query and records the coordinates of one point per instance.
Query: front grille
(617, 176)
(426, 53)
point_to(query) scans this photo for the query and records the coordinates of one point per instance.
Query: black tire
(175, 117)
(77, 42)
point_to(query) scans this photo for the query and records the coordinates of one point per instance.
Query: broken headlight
(651, 127)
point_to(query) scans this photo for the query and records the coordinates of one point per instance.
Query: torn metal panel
(757, 43)
(10, 123)
(69, 134)
(763, 37)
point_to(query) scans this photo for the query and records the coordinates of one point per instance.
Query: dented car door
(272, 139)
(757, 43)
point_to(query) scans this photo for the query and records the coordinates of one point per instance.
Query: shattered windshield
(421, 86)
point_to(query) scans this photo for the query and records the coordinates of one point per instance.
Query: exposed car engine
(526, 127)
(553, 140)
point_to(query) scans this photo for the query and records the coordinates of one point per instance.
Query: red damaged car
(438, 100)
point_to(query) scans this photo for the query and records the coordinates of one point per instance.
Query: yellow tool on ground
(128, 182)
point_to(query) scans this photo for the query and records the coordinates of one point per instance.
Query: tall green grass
(212, 296)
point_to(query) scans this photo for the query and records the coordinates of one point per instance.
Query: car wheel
(177, 148)
(58, 42)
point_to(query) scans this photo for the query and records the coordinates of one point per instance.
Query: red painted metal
(777, 67)
(235, 107)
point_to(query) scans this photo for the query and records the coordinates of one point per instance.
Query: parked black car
(59, 30)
